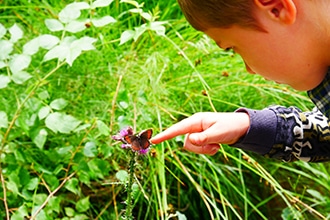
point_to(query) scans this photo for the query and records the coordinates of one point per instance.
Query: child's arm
(276, 132)
(300, 135)
(206, 130)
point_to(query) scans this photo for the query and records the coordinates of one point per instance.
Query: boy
(287, 41)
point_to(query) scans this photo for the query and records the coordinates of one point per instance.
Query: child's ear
(280, 10)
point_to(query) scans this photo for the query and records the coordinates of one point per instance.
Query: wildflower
(138, 143)
(122, 133)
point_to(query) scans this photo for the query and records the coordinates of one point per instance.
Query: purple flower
(141, 147)
(122, 133)
(126, 131)
(144, 151)
(126, 146)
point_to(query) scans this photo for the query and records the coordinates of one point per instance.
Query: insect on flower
(137, 142)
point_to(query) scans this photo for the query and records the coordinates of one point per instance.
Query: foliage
(33, 169)
(71, 75)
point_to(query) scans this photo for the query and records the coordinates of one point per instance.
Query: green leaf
(21, 77)
(42, 215)
(90, 149)
(72, 185)
(25, 121)
(48, 41)
(58, 104)
(75, 26)
(82, 127)
(12, 186)
(289, 213)
(100, 22)
(19, 62)
(6, 47)
(122, 176)
(4, 80)
(84, 43)
(52, 181)
(16, 33)
(158, 27)
(58, 168)
(106, 151)
(123, 104)
(54, 25)
(54, 204)
(83, 171)
(79, 5)
(316, 194)
(126, 36)
(64, 153)
(146, 16)
(139, 31)
(72, 55)
(3, 31)
(62, 123)
(83, 204)
(136, 10)
(180, 216)
(60, 51)
(20, 156)
(43, 112)
(77, 46)
(98, 168)
(123, 121)
(31, 47)
(3, 119)
(24, 176)
(134, 3)
(135, 190)
(69, 211)
(45, 41)
(2, 64)
(94, 169)
(39, 198)
(33, 184)
(40, 137)
(70, 48)
(69, 13)
(20, 213)
(103, 128)
(101, 3)
(43, 95)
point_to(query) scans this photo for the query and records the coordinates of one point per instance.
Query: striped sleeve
(288, 134)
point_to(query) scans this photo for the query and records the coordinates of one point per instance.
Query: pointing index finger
(188, 125)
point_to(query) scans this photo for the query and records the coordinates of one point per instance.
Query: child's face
(284, 56)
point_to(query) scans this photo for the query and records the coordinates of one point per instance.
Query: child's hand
(205, 131)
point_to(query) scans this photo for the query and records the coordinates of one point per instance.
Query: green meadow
(72, 76)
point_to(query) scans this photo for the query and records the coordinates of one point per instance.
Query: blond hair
(205, 14)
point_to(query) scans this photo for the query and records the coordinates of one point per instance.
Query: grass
(153, 83)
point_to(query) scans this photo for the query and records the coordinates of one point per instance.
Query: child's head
(205, 14)
(282, 40)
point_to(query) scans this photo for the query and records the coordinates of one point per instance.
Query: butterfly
(139, 141)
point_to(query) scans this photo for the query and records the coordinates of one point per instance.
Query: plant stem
(129, 188)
